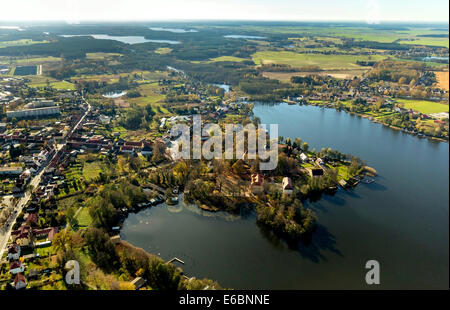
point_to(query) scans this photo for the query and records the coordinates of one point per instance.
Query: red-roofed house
(257, 183)
(16, 267)
(20, 281)
(287, 186)
(13, 252)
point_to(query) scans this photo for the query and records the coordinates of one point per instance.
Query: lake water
(124, 39)
(401, 220)
(174, 30)
(114, 95)
(225, 87)
(432, 58)
(238, 36)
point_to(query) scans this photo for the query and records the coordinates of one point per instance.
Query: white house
(304, 157)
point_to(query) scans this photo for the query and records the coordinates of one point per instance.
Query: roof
(138, 282)
(19, 277)
(287, 183)
(13, 249)
(257, 179)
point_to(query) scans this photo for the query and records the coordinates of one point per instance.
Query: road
(34, 183)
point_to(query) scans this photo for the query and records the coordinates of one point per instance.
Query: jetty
(175, 259)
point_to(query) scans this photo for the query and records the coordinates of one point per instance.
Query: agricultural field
(442, 78)
(149, 95)
(222, 58)
(36, 60)
(19, 42)
(325, 62)
(60, 85)
(339, 74)
(423, 106)
(101, 56)
(163, 50)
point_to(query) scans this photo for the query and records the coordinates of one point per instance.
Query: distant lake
(176, 70)
(124, 39)
(174, 30)
(224, 87)
(238, 36)
(165, 41)
(113, 95)
(431, 58)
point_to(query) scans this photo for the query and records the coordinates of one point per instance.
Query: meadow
(423, 106)
(325, 62)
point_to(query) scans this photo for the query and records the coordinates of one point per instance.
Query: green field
(149, 95)
(422, 106)
(325, 62)
(19, 42)
(224, 58)
(57, 85)
(83, 218)
(38, 60)
(91, 170)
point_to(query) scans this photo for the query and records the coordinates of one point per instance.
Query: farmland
(325, 62)
(423, 106)
(442, 78)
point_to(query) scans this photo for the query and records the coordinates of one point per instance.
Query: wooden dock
(175, 259)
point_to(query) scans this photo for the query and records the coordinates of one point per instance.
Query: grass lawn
(149, 95)
(343, 172)
(91, 170)
(423, 106)
(325, 62)
(44, 251)
(83, 218)
(57, 85)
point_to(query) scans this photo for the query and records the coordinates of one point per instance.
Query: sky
(371, 11)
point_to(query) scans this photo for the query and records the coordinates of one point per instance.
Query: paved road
(34, 183)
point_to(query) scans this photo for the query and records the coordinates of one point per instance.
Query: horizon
(370, 11)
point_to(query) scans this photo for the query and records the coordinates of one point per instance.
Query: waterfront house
(257, 181)
(315, 172)
(287, 186)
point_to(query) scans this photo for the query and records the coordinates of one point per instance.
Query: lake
(225, 87)
(174, 30)
(401, 220)
(123, 39)
(238, 36)
(114, 95)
